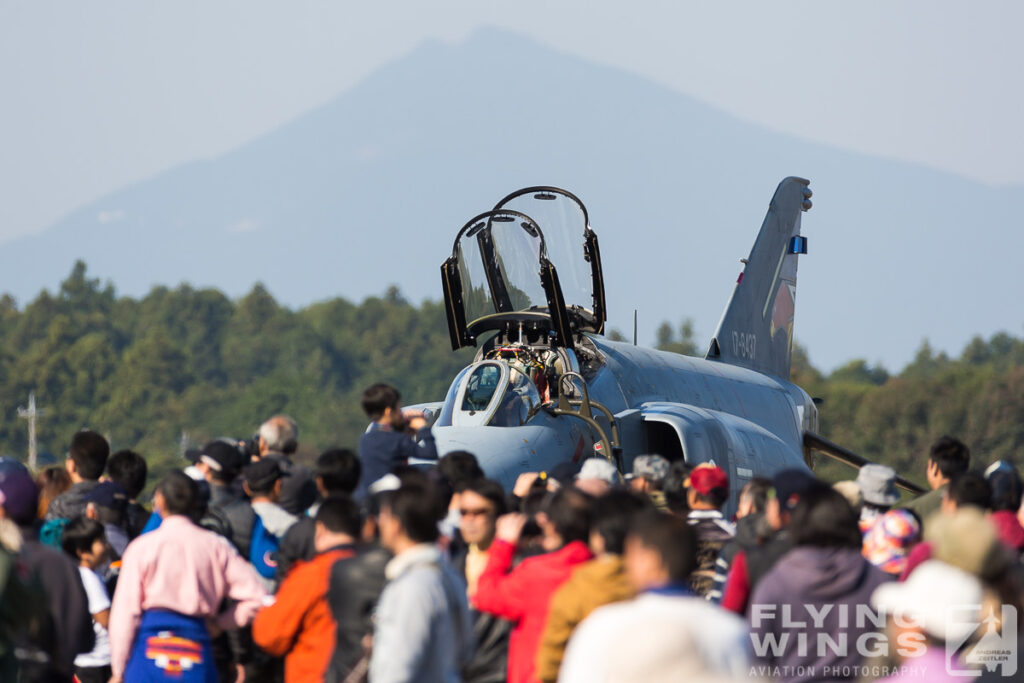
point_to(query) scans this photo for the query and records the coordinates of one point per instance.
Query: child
(393, 438)
(84, 540)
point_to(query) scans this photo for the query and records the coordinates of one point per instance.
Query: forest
(181, 366)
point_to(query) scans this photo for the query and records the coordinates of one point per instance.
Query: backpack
(235, 521)
(263, 548)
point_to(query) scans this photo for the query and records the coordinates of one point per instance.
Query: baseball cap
(107, 494)
(706, 477)
(652, 467)
(262, 474)
(792, 483)
(599, 468)
(222, 458)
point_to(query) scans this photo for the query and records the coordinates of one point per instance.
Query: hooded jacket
(809, 592)
(523, 595)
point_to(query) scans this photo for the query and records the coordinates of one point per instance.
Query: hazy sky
(98, 95)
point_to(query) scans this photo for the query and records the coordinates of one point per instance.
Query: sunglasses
(475, 512)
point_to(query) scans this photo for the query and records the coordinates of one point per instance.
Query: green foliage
(684, 343)
(858, 372)
(978, 397)
(144, 371)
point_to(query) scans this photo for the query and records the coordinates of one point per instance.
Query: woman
(52, 482)
(812, 604)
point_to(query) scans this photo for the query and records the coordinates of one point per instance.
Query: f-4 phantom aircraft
(524, 285)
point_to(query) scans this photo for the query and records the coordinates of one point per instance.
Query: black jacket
(135, 518)
(235, 514)
(298, 490)
(355, 586)
(490, 633)
(71, 503)
(297, 545)
(69, 629)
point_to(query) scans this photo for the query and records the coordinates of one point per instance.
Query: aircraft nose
(504, 452)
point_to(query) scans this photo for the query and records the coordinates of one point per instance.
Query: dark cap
(107, 494)
(793, 483)
(19, 495)
(222, 458)
(262, 474)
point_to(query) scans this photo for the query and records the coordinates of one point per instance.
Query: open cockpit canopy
(531, 264)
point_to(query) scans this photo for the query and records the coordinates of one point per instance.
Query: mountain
(369, 190)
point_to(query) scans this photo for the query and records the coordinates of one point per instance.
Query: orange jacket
(299, 625)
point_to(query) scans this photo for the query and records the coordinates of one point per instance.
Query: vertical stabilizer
(756, 330)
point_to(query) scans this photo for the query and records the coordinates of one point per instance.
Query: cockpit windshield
(564, 221)
(500, 256)
(538, 271)
(489, 393)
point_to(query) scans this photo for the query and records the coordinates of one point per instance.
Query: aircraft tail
(756, 330)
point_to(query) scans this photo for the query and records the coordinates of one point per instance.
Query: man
(481, 502)
(129, 469)
(67, 628)
(422, 629)
(1007, 487)
(299, 625)
(174, 580)
(649, 472)
(393, 438)
(220, 463)
(666, 633)
(948, 457)
(278, 440)
(750, 565)
(355, 587)
(106, 503)
(262, 482)
(600, 581)
(597, 476)
(337, 474)
(965, 490)
(707, 490)
(523, 594)
(86, 459)
(752, 529)
(811, 590)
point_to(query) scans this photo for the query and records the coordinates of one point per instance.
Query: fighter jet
(524, 285)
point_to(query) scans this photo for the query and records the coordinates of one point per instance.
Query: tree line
(180, 366)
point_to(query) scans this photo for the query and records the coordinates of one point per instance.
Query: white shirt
(96, 592)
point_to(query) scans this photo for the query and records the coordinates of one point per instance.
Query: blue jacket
(382, 450)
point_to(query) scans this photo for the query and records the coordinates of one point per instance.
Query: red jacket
(299, 625)
(522, 596)
(1010, 531)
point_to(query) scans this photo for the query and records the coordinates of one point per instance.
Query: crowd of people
(249, 566)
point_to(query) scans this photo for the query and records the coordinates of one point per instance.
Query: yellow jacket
(595, 583)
